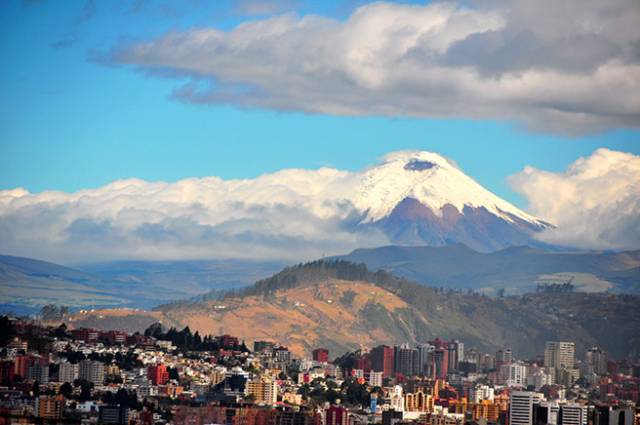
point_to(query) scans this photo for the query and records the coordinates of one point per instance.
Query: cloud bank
(569, 67)
(292, 214)
(595, 203)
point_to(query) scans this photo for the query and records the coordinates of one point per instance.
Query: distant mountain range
(343, 306)
(27, 284)
(516, 269)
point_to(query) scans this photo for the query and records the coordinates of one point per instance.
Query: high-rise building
(613, 415)
(504, 356)
(283, 356)
(336, 415)
(92, 371)
(546, 413)
(228, 342)
(113, 415)
(567, 376)
(363, 362)
(67, 372)
(158, 374)
(382, 360)
(407, 360)
(559, 354)
(38, 372)
(424, 356)
(321, 355)
(487, 362)
(539, 378)
(521, 407)
(597, 359)
(21, 365)
(513, 374)
(7, 374)
(456, 353)
(50, 407)
(263, 346)
(440, 359)
(572, 414)
(263, 391)
(85, 334)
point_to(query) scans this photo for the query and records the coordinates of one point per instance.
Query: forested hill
(319, 271)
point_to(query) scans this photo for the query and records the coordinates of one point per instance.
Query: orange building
(50, 407)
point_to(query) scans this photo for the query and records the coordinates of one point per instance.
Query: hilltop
(342, 305)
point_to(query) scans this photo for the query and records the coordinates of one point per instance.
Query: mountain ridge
(27, 284)
(515, 269)
(342, 305)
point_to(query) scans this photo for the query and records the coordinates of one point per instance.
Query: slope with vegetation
(343, 306)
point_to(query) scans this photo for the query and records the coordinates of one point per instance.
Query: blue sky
(70, 121)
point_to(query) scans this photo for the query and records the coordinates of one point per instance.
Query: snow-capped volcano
(424, 198)
(430, 179)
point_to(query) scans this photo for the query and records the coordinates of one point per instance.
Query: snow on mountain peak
(432, 180)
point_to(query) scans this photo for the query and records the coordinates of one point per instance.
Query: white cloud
(298, 214)
(569, 67)
(595, 203)
(291, 214)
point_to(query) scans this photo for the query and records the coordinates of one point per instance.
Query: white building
(513, 374)
(539, 379)
(397, 399)
(375, 379)
(521, 407)
(481, 392)
(559, 354)
(92, 371)
(573, 414)
(67, 372)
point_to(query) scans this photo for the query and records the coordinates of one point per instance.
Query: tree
(85, 389)
(108, 397)
(66, 390)
(197, 340)
(6, 330)
(355, 393)
(155, 330)
(173, 373)
(61, 331)
(35, 389)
